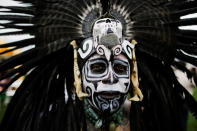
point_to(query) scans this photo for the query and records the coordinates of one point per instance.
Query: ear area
(77, 75)
(138, 96)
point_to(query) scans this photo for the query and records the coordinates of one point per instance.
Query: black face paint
(109, 102)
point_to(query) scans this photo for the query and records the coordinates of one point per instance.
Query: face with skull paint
(106, 70)
(106, 82)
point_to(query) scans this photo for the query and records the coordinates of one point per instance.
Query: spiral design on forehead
(128, 47)
(100, 49)
(86, 49)
(117, 50)
(129, 51)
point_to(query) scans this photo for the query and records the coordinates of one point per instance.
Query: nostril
(110, 81)
(106, 81)
(115, 80)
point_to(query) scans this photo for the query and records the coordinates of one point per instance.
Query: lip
(109, 95)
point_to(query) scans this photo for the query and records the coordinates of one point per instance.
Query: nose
(111, 79)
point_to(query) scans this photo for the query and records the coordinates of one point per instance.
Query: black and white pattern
(103, 50)
(158, 26)
(117, 50)
(86, 49)
(128, 47)
(105, 88)
(109, 105)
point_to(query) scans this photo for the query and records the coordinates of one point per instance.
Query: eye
(98, 68)
(120, 69)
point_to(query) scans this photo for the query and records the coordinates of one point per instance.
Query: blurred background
(6, 97)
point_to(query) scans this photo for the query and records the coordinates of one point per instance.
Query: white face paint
(106, 75)
(106, 82)
(107, 40)
(105, 26)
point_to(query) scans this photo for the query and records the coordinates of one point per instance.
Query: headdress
(40, 102)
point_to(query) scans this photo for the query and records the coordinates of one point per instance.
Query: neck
(98, 122)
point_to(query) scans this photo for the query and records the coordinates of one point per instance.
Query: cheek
(88, 86)
(125, 84)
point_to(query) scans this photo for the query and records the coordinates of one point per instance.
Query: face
(106, 82)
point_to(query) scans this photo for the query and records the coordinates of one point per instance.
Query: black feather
(40, 101)
(21, 43)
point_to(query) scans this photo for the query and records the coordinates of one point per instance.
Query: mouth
(109, 95)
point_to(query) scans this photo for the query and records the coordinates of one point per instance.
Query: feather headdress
(39, 103)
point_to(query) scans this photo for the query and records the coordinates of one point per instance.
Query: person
(99, 65)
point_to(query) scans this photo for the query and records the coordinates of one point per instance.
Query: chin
(108, 103)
